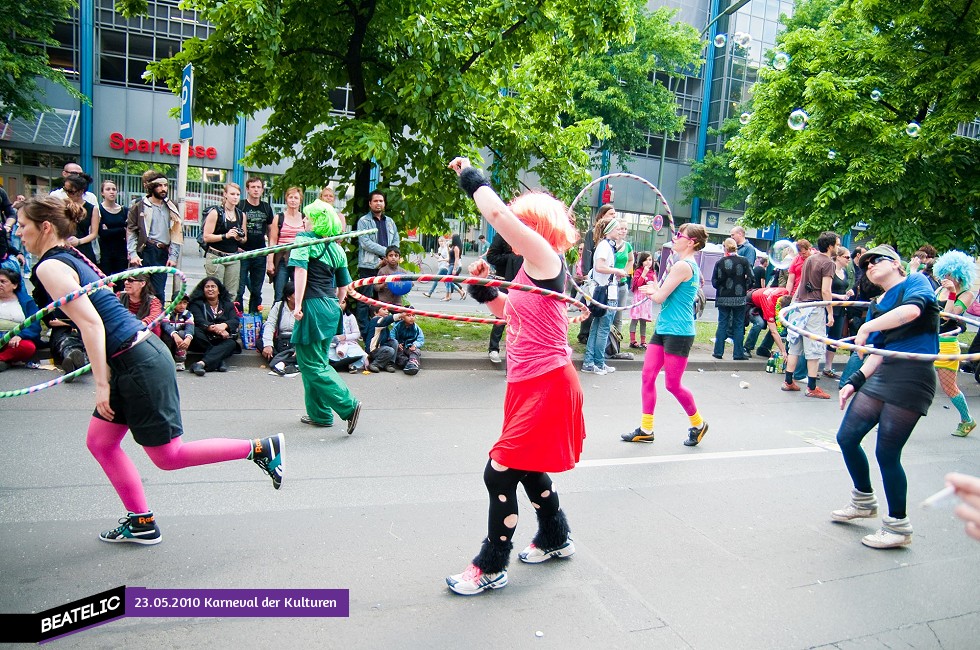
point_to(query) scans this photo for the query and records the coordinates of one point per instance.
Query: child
(642, 310)
(389, 266)
(405, 339)
(179, 330)
(345, 351)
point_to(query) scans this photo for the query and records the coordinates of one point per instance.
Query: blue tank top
(120, 325)
(677, 311)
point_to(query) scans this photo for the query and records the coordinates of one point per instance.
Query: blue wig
(958, 267)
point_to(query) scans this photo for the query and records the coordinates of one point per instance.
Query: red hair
(548, 217)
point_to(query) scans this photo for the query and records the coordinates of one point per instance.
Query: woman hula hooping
(673, 336)
(890, 392)
(543, 425)
(955, 272)
(135, 380)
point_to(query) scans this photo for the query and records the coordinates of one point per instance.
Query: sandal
(447, 298)
(830, 374)
(462, 294)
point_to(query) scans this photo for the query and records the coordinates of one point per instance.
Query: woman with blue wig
(955, 272)
(321, 279)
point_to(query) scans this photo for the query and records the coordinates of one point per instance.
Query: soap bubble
(798, 119)
(876, 95)
(721, 40)
(831, 154)
(912, 129)
(782, 254)
(780, 61)
(744, 118)
(743, 39)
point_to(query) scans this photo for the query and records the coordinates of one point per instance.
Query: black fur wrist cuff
(857, 380)
(483, 294)
(471, 180)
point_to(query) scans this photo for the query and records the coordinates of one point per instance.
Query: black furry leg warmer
(553, 530)
(494, 556)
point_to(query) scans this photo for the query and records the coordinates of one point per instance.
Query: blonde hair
(696, 232)
(730, 245)
(547, 216)
(290, 190)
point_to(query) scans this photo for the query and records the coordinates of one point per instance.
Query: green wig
(325, 223)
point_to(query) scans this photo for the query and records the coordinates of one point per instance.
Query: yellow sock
(646, 422)
(696, 419)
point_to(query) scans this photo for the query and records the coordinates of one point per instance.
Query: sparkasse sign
(129, 145)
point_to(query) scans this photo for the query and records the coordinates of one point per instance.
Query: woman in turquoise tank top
(674, 335)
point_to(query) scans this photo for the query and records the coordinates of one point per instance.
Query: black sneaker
(694, 435)
(373, 368)
(267, 454)
(198, 368)
(637, 435)
(75, 360)
(352, 421)
(412, 368)
(136, 529)
(390, 368)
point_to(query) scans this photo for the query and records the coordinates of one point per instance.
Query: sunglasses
(133, 280)
(73, 191)
(680, 235)
(879, 258)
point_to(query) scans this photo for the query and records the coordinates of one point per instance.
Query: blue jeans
(731, 323)
(595, 348)
(153, 256)
(251, 276)
(450, 286)
(758, 324)
(283, 273)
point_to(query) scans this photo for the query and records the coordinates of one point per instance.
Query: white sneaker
(534, 555)
(849, 512)
(893, 533)
(473, 581)
(495, 356)
(607, 368)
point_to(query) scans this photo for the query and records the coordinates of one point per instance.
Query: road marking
(687, 458)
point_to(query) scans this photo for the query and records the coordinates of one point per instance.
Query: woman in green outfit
(321, 279)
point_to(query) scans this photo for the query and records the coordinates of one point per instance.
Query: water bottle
(771, 365)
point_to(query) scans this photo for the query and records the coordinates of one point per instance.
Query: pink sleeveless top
(537, 333)
(287, 235)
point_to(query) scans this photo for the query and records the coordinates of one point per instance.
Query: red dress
(543, 422)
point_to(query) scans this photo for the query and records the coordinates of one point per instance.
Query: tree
(885, 88)
(428, 80)
(25, 27)
(620, 86)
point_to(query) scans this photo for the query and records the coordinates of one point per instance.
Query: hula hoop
(84, 291)
(571, 211)
(262, 252)
(840, 344)
(458, 279)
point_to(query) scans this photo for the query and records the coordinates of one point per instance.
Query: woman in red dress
(543, 424)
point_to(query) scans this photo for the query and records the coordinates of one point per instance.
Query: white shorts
(816, 323)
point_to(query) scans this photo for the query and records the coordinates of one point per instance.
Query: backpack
(221, 215)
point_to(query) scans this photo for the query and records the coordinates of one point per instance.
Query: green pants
(323, 386)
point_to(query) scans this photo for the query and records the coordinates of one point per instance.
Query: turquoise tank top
(677, 311)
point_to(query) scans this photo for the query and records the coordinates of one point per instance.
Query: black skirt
(903, 382)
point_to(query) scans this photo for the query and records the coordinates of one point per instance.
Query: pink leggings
(104, 440)
(673, 366)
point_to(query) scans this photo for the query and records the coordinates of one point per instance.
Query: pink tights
(655, 361)
(104, 440)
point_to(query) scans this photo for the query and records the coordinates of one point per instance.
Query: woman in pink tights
(135, 380)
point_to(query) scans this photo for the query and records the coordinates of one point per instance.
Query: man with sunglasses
(815, 282)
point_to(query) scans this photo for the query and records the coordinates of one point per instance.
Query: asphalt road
(726, 545)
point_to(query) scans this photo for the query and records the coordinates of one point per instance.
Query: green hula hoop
(262, 252)
(84, 291)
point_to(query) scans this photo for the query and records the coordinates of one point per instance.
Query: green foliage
(24, 28)
(429, 80)
(619, 86)
(855, 161)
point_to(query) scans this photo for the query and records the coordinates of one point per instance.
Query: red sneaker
(791, 386)
(817, 393)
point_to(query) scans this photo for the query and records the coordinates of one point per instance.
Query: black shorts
(143, 393)
(673, 344)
